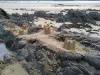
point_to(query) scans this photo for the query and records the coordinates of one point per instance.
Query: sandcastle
(47, 29)
(69, 44)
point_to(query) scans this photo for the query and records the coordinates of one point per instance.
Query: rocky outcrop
(94, 15)
(40, 60)
(3, 14)
(79, 17)
(40, 14)
(74, 68)
(15, 44)
(24, 19)
(74, 16)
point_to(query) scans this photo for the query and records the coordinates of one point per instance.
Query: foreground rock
(15, 44)
(37, 59)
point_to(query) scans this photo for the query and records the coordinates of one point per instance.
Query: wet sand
(14, 69)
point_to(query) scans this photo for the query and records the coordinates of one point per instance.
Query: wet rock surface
(40, 60)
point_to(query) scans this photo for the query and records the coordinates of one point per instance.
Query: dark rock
(10, 58)
(95, 15)
(77, 16)
(40, 60)
(15, 44)
(72, 71)
(7, 35)
(40, 14)
(24, 19)
(97, 72)
(77, 68)
(70, 56)
(22, 54)
(93, 61)
(3, 14)
(61, 18)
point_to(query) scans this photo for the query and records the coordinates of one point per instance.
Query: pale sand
(14, 69)
(51, 8)
(45, 7)
(52, 43)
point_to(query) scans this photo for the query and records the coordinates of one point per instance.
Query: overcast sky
(47, 1)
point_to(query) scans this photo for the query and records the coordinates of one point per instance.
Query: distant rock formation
(78, 16)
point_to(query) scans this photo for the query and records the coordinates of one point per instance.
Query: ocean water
(3, 50)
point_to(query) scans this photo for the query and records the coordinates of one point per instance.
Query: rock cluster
(24, 19)
(74, 16)
(94, 15)
(40, 60)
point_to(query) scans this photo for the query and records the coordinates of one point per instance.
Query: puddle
(3, 50)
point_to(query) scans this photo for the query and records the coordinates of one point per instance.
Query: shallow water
(3, 50)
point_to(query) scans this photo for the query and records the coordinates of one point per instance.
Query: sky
(59, 2)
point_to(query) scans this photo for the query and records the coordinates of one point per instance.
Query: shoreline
(31, 10)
